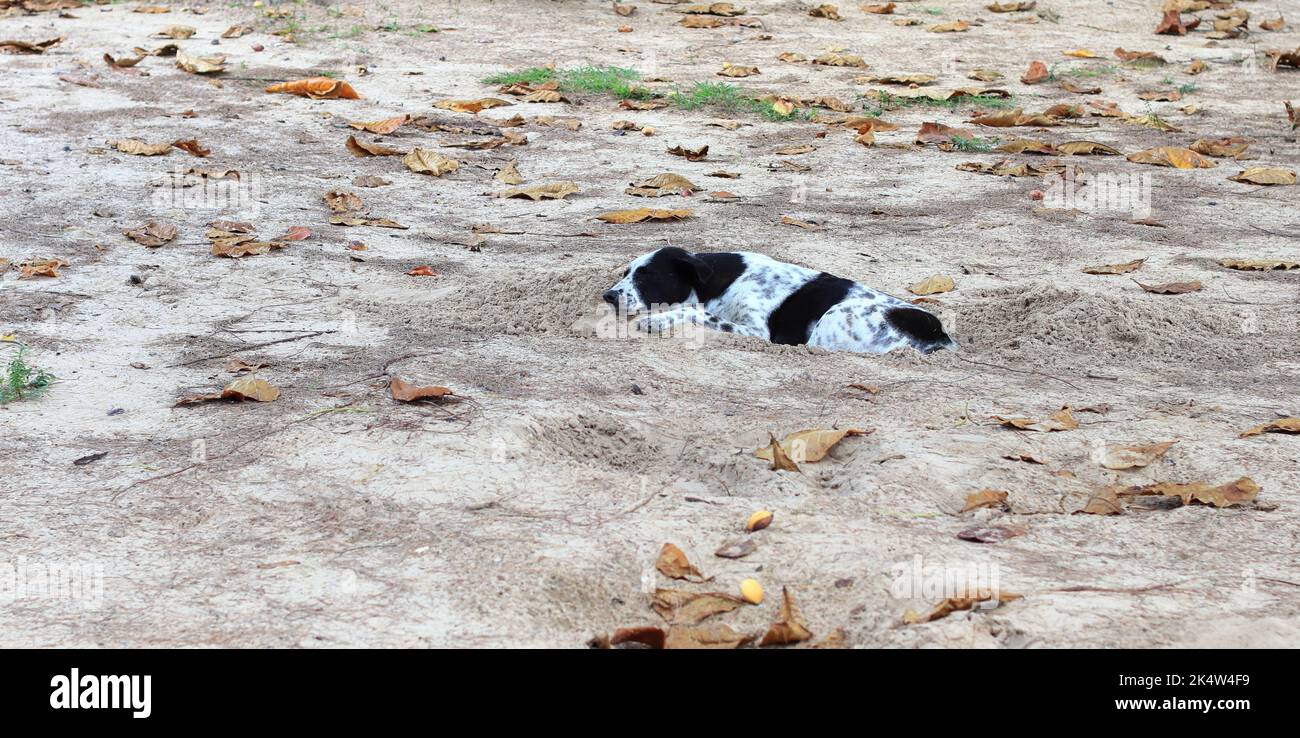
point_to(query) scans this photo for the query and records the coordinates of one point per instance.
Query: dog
(750, 294)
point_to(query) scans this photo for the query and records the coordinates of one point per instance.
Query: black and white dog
(754, 295)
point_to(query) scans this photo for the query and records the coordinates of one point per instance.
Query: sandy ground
(530, 513)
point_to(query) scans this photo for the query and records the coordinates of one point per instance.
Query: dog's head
(668, 276)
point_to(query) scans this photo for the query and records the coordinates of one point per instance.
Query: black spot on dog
(792, 321)
(724, 269)
(921, 326)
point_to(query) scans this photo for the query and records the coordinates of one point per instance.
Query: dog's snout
(612, 296)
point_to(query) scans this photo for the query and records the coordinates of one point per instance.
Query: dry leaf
(365, 148)
(1259, 265)
(244, 388)
(1125, 268)
(1172, 288)
(673, 563)
(952, 27)
(696, 154)
(340, 201)
(735, 70)
(382, 127)
(689, 608)
(1036, 73)
(986, 498)
(1103, 502)
(404, 391)
(955, 604)
(140, 148)
(1171, 156)
(508, 174)
(737, 549)
(1283, 425)
(1085, 148)
(27, 47)
(1224, 495)
(425, 161)
(40, 268)
(421, 271)
(470, 106)
(1265, 176)
(1133, 457)
(989, 533)
(201, 64)
(807, 446)
(829, 12)
(549, 191)
(152, 234)
(661, 185)
(317, 88)
(780, 461)
(713, 635)
(933, 285)
(790, 626)
(643, 214)
(1061, 420)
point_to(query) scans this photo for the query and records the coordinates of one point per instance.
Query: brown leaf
(1103, 502)
(202, 64)
(192, 146)
(140, 148)
(933, 285)
(780, 461)
(790, 626)
(1265, 176)
(508, 174)
(951, 27)
(1171, 156)
(689, 608)
(1078, 148)
(736, 70)
(1283, 425)
(426, 161)
(696, 154)
(27, 47)
(1259, 265)
(382, 127)
(549, 191)
(713, 635)
(661, 185)
(404, 391)
(829, 12)
(1125, 268)
(805, 446)
(989, 533)
(152, 234)
(986, 498)
(651, 636)
(1224, 495)
(1172, 24)
(643, 214)
(737, 549)
(471, 106)
(340, 201)
(1172, 288)
(317, 88)
(673, 563)
(244, 388)
(40, 268)
(955, 604)
(1036, 73)
(421, 271)
(1061, 420)
(1133, 457)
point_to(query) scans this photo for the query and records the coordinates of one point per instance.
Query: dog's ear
(693, 269)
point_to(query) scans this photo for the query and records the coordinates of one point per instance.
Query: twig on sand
(1020, 371)
(250, 346)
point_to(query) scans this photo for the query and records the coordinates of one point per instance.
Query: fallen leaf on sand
(1172, 288)
(352, 219)
(643, 214)
(736, 70)
(201, 64)
(426, 161)
(152, 234)
(1102, 502)
(1230, 146)
(368, 148)
(508, 174)
(244, 388)
(952, 27)
(40, 268)
(549, 191)
(807, 446)
(780, 460)
(471, 106)
(1133, 457)
(689, 608)
(1283, 425)
(317, 88)
(382, 127)
(986, 498)
(1265, 176)
(1036, 73)
(1061, 420)
(990, 533)
(933, 285)
(423, 270)
(137, 147)
(1125, 268)
(1259, 265)
(340, 201)
(739, 548)
(955, 604)
(662, 185)
(1086, 148)
(789, 627)
(1224, 495)
(673, 563)
(1171, 156)
(27, 47)
(713, 635)
(696, 154)
(404, 391)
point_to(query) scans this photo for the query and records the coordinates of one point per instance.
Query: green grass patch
(22, 380)
(1085, 72)
(620, 82)
(878, 104)
(728, 98)
(974, 144)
